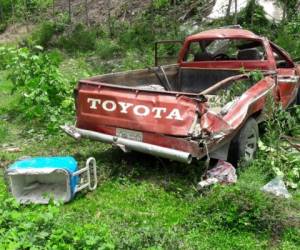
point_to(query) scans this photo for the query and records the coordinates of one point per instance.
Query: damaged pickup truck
(210, 102)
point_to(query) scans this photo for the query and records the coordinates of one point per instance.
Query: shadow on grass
(137, 167)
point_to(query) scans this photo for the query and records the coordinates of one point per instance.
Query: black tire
(244, 145)
(296, 101)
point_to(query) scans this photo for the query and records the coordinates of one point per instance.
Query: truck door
(288, 80)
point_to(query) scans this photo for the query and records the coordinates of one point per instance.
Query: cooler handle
(90, 164)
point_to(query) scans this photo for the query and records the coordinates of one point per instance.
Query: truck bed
(186, 80)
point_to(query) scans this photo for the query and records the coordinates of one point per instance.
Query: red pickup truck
(209, 103)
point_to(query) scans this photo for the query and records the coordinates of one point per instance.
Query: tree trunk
(228, 8)
(108, 5)
(284, 14)
(252, 12)
(12, 11)
(1, 13)
(26, 15)
(235, 12)
(86, 13)
(70, 11)
(53, 8)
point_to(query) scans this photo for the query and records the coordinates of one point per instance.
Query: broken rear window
(225, 49)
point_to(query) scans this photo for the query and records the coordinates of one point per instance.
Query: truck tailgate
(101, 105)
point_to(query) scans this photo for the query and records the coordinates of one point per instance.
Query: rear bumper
(146, 148)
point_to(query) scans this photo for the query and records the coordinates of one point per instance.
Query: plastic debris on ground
(223, 173)
(276, 187)
(10, 148)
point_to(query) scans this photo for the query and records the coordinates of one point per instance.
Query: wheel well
(258, 116)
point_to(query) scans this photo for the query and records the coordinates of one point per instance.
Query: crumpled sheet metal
(253, 100)
(214, 127)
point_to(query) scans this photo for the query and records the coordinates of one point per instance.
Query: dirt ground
(98, 10)
(15, 33)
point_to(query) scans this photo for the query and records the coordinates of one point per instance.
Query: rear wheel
(244, 145)
(297, 99)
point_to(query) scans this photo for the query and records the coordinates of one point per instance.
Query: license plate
(129, 134)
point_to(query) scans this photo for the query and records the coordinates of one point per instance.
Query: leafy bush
(283, 159)
(3, 27)
(44, 34)
(79, 38)
(6, 54)
(289, 36)
(38, 227)
(137, 60)
(18, 9)
(139, 35)
(107, 49)
(46, 95)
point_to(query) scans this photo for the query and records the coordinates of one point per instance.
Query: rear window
(225, 50)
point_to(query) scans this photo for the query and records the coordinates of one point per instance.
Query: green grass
(141, 202)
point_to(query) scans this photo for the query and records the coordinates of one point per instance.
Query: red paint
(174, 133)
(88, 117)
(251, 102)
(268, 64)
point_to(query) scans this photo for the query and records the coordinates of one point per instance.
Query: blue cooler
(37, 180)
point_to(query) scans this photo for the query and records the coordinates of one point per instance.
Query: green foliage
(137, 35)
(283, 159)
(240, 208)
(281, 122)
(21, 10)
(46, 95)
(255, 75)
(6, 55)
(233, 91)
(253, 17)
(3, 133)
(140, 203)
(43, 35)
(3, 26)
(148, 26)
(108, 49)
(46, 31)
(157, 4)
(289, 36)
(41, 228)
(78, 38)
(137, 60)
(290, 7)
